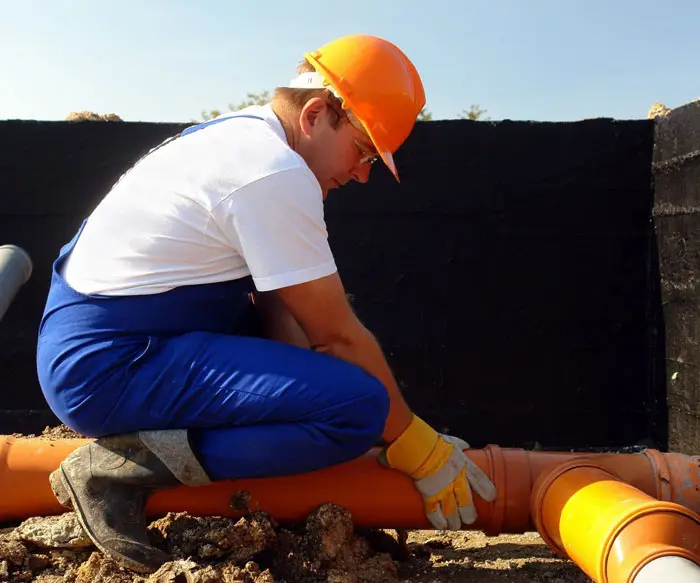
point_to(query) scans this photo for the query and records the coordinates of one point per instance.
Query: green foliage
(425, 115)
(474, 112)
(251, 99)
(207, 115)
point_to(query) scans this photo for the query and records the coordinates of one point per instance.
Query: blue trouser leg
(256, 408)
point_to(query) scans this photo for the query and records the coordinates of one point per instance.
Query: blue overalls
(189, 358)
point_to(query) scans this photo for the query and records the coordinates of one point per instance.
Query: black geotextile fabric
(510, 277)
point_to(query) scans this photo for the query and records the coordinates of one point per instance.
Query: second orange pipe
(607, 527)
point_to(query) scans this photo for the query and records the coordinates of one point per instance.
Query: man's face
(336, 151)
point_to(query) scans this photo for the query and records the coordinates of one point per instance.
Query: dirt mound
(326, 548)
(253, 549)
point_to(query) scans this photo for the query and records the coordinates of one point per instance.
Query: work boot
(108, 483)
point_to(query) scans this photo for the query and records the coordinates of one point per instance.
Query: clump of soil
(327, 548)
(52, 433)
(183, 536)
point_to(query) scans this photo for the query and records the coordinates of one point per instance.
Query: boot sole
(59, 489)
(64, 494)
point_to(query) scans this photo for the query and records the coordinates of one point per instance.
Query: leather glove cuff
(409, 452)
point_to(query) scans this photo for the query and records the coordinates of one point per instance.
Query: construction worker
(196, 324)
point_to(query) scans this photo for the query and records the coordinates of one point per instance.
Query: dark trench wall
(677, 219)
(510, 277)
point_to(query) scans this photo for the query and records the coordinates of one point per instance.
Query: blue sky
(158, 60)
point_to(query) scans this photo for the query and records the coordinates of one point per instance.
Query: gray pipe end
(21, 256)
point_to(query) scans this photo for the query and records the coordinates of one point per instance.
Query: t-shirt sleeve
(277, 225)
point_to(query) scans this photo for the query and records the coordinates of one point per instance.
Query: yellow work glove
(443, 474)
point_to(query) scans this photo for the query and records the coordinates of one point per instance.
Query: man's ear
(311, 114)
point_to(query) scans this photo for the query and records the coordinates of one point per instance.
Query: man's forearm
(277, 321)
(363, 350)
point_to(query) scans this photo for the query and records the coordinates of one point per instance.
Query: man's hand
(443, 474)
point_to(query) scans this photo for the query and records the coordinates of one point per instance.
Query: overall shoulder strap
(205, 124)
(185, 132)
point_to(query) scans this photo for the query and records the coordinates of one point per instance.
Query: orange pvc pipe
(609, 528)
(376, 496)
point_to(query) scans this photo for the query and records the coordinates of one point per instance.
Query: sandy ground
(254, 549)
(472, 557)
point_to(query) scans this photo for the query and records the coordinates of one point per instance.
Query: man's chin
(332, 185)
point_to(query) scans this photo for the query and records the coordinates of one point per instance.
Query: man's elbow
(339, 342)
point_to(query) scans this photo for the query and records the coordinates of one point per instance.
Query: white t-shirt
(224, 202)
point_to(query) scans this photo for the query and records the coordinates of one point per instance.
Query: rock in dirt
(250, 573)
(184, 536)
(328, 529)
(101, 569)
(183, 571)
(188, 571)
(328, 549)
(14, 552)
(60, 532)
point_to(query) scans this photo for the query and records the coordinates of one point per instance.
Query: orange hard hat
(377, 82)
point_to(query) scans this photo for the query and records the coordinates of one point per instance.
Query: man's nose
(361, 172)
